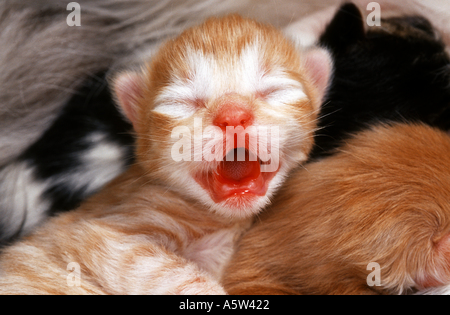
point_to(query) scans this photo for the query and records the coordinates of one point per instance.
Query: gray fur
(42, 59)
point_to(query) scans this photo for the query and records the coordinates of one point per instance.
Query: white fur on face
(210, 80)
(244, 75)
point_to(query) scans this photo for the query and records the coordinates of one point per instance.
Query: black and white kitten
(86, 147)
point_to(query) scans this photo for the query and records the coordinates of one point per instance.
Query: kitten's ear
(128, 88)
(319, 68)
(345, 28)
(437, 271)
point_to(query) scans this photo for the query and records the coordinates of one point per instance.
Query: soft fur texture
(87, 146)
(43, 59)
(383, 198)
(112, 30)
(156, 229)
(44, 62)
(292, 260)
(33, 188)
(399, 71)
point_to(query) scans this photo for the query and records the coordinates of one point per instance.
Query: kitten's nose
(233, 116)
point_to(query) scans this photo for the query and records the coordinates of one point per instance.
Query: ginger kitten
(169, 224)
(383, 198)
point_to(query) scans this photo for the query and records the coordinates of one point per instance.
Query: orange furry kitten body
(382, 199)
(169, 225)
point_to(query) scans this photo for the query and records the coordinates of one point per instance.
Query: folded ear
(128, 88)
(319, 67)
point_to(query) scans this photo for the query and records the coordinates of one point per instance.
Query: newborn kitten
(55, 189)
(169, 224)
(383, 198)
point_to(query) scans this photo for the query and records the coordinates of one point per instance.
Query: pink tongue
(237, 171)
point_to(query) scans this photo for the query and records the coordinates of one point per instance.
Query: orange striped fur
(384, 198)
(155, 230)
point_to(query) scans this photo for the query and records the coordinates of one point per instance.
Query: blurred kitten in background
(383, 198)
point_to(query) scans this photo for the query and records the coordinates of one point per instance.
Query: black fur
(397, 72)
(59, 170)
(60, 150)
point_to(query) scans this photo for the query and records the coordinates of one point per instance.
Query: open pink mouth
(242, 179)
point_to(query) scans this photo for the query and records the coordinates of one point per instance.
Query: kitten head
(223, 112)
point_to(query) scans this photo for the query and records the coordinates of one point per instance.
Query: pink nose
(233, 116)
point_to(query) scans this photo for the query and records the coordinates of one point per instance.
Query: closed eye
(283, 96)
(179, 109)
(264, 94)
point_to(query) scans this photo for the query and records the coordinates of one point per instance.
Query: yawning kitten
(169, 224)
(383, 199)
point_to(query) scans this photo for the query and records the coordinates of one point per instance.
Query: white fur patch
(100, 164)
(21, 199)
(210, 79)
(445, 290)
(161, 273)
